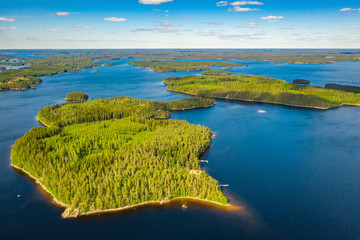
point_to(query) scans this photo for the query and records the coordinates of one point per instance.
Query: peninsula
(175, 66)
(261, 89)
(113, 154)
(215, 73)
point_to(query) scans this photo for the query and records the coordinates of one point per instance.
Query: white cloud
(159, 30)
(53, 30)
(5, 28)
(357, 27)
(62, 14)
(243, 3)
(272, 18)
(4, 19)
(222, 3)
(154, 2)
(349, 10)
(240, 9)
(252, 25)
(114, 19)
(83, 27)
(345, 9)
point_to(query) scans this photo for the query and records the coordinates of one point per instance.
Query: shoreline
(159, 202)
(41, 122)
(265, 102)
(192, 108)
(54, 199)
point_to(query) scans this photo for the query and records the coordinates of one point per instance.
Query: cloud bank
(241, 9)
(243, 3)
(114, 19)
(272, 18)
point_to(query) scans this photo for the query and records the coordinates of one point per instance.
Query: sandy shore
(46, 125)
(209, 202)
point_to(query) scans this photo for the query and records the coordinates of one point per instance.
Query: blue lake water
(296, 172)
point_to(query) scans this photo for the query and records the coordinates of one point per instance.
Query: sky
(90, 24)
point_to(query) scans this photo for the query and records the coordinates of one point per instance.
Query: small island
(175, 66)
(215, 73)
(117, 153)
(301, 81)
(261, 89)
(76, 97)
(108, 64)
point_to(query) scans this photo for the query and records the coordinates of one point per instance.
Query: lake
(295, 172)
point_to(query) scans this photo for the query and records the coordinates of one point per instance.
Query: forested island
(76, 97)
(215, 73)
(261, 89)
(7, 58)
(301, 81)
(175, 66)
(108, 64)
(24, 78)
(113, 154)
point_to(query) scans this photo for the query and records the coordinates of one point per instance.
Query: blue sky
(179, 24)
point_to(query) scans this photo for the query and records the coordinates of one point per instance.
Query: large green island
(215, 73)
(175, 66)
(261, 89)
(117, 153)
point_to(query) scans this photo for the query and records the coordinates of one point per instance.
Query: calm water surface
(296, 172)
